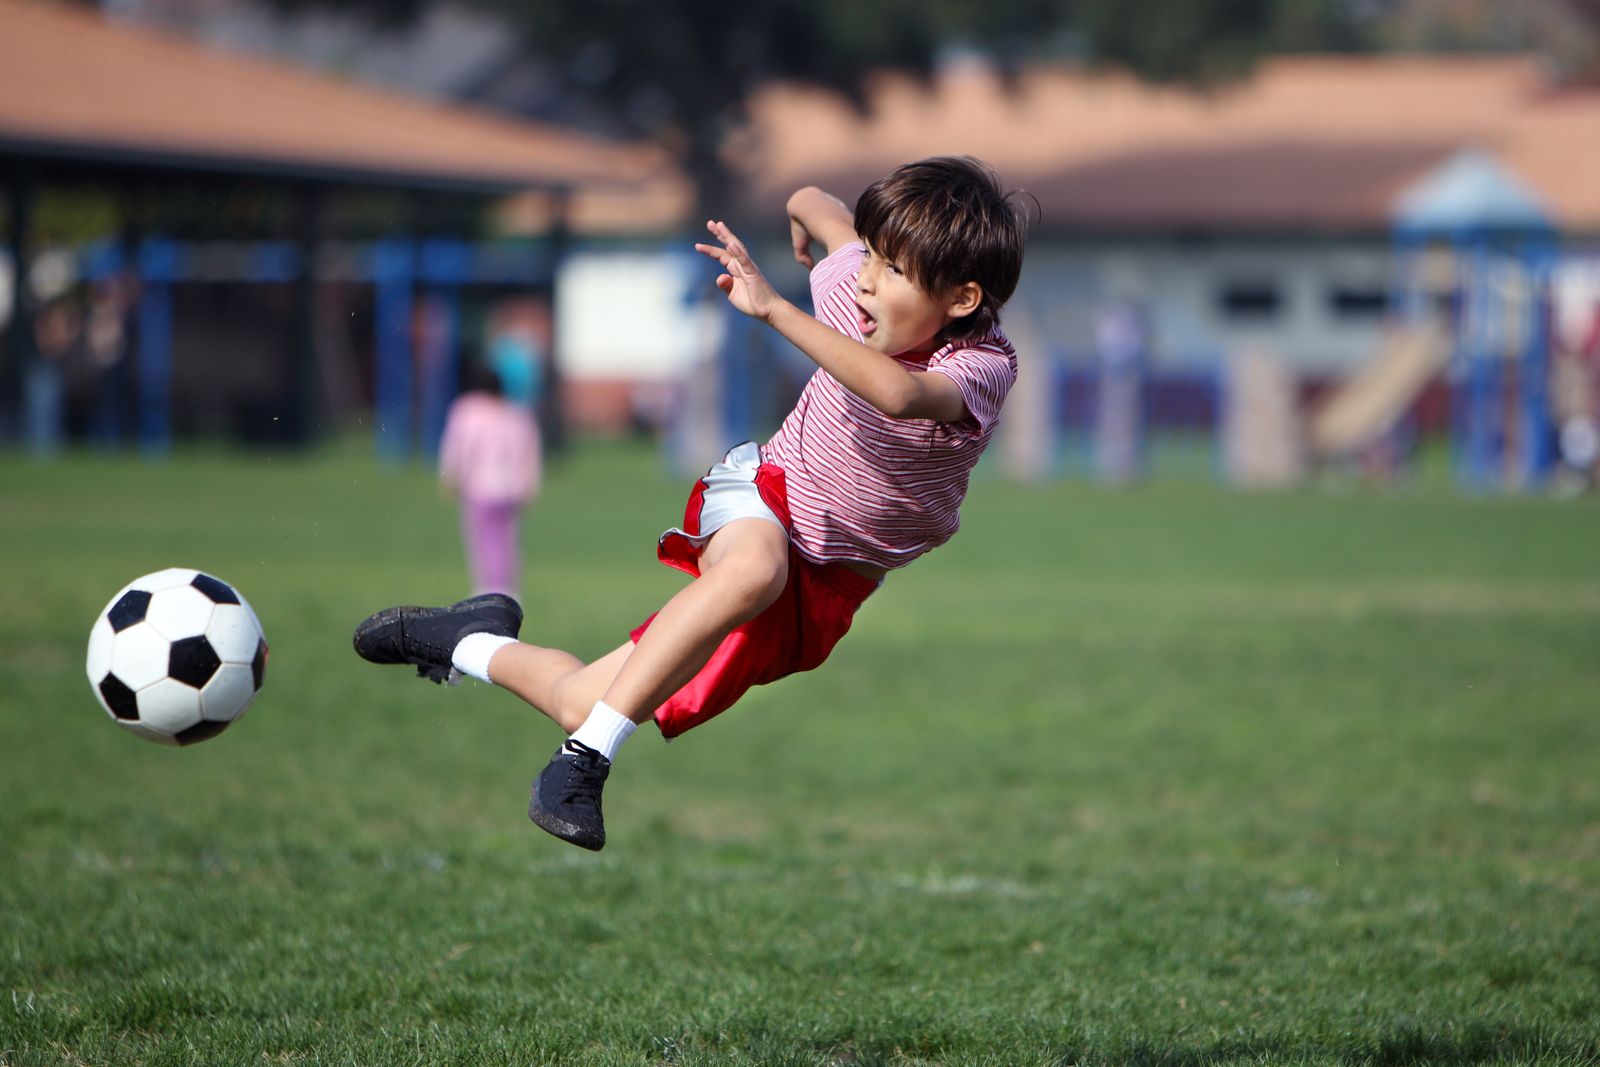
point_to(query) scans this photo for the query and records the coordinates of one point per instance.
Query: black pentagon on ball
(219, 591)
(128, 610)
(193, 661)
(258, 665)
(119, 698)
(199, 732)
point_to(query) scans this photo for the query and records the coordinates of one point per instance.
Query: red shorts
(795, 633)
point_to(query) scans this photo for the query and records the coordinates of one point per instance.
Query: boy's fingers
(718, 254)
(727, 237)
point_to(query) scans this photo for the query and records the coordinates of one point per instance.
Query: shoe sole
(571, 833)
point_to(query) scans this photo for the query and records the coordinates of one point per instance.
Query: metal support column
(158, 267)
(18, 350)
(392, 270)
(305, 400)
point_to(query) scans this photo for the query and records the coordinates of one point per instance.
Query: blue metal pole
(441, 365)
(392, 264)
(158, 266)
(1480, 415)
(1536, 452)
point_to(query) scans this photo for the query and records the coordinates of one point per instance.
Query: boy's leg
(557, 683)
(742, 570)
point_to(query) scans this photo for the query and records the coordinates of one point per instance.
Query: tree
(680, 72)
(1566, 33)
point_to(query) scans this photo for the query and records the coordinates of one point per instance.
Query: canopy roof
(1470, 191)
(79, 90)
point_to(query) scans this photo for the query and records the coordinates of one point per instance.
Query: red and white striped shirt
(863, 486)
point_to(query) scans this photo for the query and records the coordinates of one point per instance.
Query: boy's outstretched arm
(821, 218)
(874, 377)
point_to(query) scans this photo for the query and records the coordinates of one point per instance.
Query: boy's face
(895, 314)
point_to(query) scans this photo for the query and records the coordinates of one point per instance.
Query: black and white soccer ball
(176, 656)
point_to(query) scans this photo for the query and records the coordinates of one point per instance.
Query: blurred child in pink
(490, 458)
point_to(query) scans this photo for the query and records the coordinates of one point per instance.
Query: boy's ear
(963, 300)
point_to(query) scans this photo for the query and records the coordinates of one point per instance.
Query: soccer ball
(176, 656)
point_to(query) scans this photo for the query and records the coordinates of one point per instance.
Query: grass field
(1167, 776)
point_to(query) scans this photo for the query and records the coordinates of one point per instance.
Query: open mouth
(865, 320)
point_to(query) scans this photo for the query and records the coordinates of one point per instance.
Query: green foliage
(1163, 776)
(682, 72)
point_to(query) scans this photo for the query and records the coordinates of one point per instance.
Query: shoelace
(583, 781)
(410, 638)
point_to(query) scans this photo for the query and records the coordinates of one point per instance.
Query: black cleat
(566, 796)
(427, 637)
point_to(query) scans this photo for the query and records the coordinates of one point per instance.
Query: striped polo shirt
(863, 486)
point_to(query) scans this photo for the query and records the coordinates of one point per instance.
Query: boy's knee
(754, 581)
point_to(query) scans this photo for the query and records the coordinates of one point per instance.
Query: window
(1250, 299)
(1357, 301)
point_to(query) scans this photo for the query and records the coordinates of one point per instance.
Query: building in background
(258, 210)
(1258, 214)
(1253, 219)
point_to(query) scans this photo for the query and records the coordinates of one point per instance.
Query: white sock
(604, 730)
(473, 652)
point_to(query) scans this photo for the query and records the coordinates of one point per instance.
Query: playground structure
(1474, 257)
(1372, 404)
(1475, 253)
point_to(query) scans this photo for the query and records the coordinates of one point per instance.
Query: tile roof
(1318, 143)
(76, 86)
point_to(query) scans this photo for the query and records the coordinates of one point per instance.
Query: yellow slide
(1372, 401)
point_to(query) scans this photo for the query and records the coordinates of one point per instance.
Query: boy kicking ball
(785, 540)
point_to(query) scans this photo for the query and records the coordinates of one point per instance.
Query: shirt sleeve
(833, 288)
(983, 376)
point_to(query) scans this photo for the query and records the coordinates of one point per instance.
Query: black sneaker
(566, 796)
(428, 636)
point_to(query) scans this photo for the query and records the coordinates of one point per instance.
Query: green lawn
(1164, 776)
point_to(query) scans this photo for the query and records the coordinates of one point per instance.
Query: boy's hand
(747, 288)
(818, 217)
(802, 240)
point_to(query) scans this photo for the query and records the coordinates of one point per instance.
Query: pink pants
(489, 531)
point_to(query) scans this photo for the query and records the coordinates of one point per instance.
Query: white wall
(627, 314)
(624, 314)
(1181, 286)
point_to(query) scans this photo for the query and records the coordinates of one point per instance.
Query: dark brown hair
(946, 221)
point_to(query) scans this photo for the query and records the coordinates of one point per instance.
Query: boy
(784, 541)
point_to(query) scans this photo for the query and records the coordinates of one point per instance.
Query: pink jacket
(490, 451)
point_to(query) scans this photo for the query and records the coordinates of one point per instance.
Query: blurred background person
(518, 347)
(105, 348)
(1121, 342)
(57, 327)
(490, 458)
